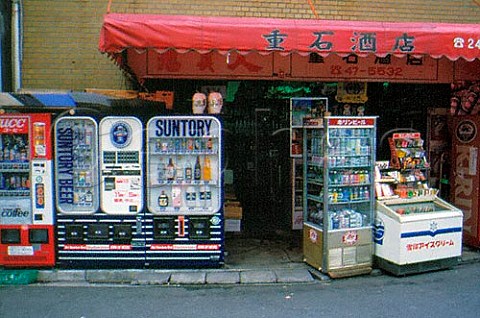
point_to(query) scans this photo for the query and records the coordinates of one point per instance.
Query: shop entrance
(257, 152)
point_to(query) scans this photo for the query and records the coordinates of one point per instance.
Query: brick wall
(61, 37)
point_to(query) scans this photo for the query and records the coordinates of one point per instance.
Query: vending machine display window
(184, 165)
(76, 165)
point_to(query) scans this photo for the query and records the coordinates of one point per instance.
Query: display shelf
(405, 174)
(339, 200)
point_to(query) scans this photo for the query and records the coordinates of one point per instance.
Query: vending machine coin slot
(74, 233)
(38, 236)
(199, 228)
(122, 233)
(163, 228)
(97, 232)
(10, 236)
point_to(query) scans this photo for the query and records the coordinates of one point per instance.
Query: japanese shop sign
(351, 121)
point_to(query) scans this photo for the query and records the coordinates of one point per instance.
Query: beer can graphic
(40, 196)
(39, 139)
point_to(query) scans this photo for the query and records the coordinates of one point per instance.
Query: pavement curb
(301, 273)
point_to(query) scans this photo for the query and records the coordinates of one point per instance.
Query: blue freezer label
(64, 160)
(183, 127)
(378, 231)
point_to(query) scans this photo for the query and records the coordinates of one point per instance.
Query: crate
(233, 210)
(18, 277)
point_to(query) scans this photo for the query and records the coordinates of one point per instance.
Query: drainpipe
(17, 45)
(2, 32)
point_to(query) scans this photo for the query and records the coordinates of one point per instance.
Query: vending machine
(26, 207)
(464, 176)
(98, 194)
(339, 157)
(184, 219)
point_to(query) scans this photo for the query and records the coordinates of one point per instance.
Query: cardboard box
(232, 225)
(233, 210)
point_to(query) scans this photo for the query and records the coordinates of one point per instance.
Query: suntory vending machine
(26, 211)
(99, 196)
(184, 218)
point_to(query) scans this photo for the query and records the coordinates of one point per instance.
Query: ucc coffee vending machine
(184, 191)
(26, 206)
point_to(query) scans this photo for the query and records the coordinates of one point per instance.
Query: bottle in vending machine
(163, 200)
(39, 138)
(197, 172)
(161, 172)
(208, 197)
(188, 172)
(190, 197)
(179, 172)
(170, 171)
(207, 170)
(177, 197)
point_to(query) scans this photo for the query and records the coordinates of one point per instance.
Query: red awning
(265, 35)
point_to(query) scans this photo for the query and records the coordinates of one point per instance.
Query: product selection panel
(121, 156)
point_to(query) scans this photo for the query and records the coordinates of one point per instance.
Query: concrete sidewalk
(247, 261)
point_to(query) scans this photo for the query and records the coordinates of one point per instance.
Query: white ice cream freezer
(417, 234)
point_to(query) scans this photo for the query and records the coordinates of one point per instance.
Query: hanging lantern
(199, 102)
(215, 103)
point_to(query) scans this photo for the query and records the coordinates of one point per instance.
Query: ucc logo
(13, 123)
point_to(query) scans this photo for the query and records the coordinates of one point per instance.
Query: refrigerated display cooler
(417, 234)
(339, 159)
(26, 210)
(184, 218)
(99, 191)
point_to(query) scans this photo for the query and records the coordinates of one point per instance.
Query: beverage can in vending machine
(39, 195)
(39, 139)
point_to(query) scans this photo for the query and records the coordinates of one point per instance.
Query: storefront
(422, 58)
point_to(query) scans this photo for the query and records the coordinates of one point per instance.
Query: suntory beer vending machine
(99, 196)
(26, 211)
(184, 218)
